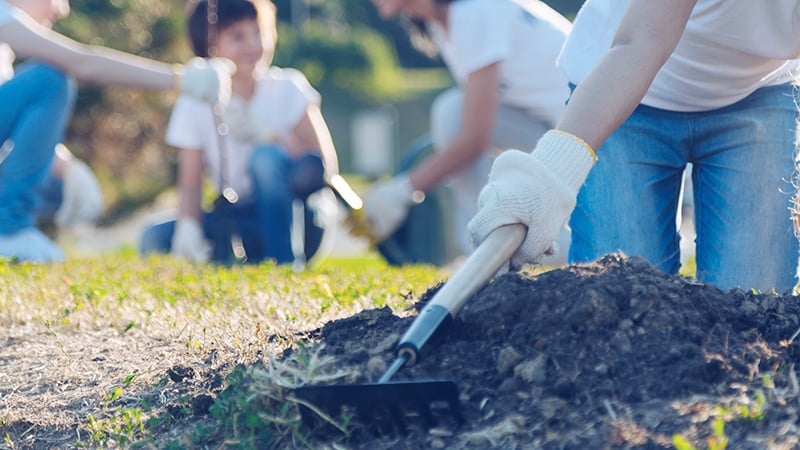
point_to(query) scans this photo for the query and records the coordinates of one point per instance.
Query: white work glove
(208, 80)
(537, 189)
(189, 242)
(386, 205)
(243, 124)
(82, 199)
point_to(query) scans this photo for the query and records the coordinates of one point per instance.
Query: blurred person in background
(70, 193)
(502, 55)
(36, 101)
(278, 149)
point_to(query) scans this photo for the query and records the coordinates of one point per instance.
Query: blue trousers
(35, 107)
(743, 157)
(264, 221)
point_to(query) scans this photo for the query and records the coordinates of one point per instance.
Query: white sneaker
(31, 245)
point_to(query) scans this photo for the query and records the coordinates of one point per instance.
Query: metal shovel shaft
(478, 269)
(367, 399)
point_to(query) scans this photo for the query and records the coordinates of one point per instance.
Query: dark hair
(419, 34)
(228, 12)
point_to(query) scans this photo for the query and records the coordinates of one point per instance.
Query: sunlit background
(376, 88)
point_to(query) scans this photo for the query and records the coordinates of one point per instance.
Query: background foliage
(355, 59)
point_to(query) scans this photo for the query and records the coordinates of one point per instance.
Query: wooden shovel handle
(479, 268)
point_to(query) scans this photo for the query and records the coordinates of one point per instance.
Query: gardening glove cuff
(82, 199)
(537, 189)
(386, 205)
(189, 242)
(208, 80)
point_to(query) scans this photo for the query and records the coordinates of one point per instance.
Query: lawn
(92, 350)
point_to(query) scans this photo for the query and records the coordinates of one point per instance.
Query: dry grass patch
(89, 349)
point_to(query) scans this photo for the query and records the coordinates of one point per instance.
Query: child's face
(243, 43)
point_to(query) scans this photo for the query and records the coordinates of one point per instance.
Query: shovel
(341, 189)
(370, 400)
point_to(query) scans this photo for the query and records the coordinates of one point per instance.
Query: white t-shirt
(524, 36)
(729, 49)
(280, 100)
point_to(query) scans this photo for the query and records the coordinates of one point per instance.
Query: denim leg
(270, 166)
(307, 176)
(630, 199)
(743, 158)
(157, 238)
(49, 197)
(35, 107)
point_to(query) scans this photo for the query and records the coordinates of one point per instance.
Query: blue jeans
(744, 159)
(35, 107)
(264, 221)
(49, 194)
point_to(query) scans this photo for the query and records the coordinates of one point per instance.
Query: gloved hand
(189, 242)
(207, 79)
(386, 205)
(537, 189)
(82, 198)
(243, 125)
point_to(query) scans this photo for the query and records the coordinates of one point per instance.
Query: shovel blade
(378, 403)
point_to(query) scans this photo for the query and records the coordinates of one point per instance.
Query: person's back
(526, 35)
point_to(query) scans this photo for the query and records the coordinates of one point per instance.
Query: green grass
(159, 283)
(105, 329)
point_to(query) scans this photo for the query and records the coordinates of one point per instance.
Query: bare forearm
(606, 97)
(109, 67)
(647, 36)
(441, 164)
(86, 62)
(478, 113)
(190, 183)
(189, 204)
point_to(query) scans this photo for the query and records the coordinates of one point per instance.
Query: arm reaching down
(539, 189)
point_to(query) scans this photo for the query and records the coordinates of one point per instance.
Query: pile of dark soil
(613, 354)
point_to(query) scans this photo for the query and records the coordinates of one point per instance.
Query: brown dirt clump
(613, 354)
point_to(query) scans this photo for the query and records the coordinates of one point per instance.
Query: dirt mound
(608, 355)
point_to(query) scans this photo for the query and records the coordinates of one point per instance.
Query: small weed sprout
(123, 427)
(717, 441)
(750, 410)
(9, 442)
